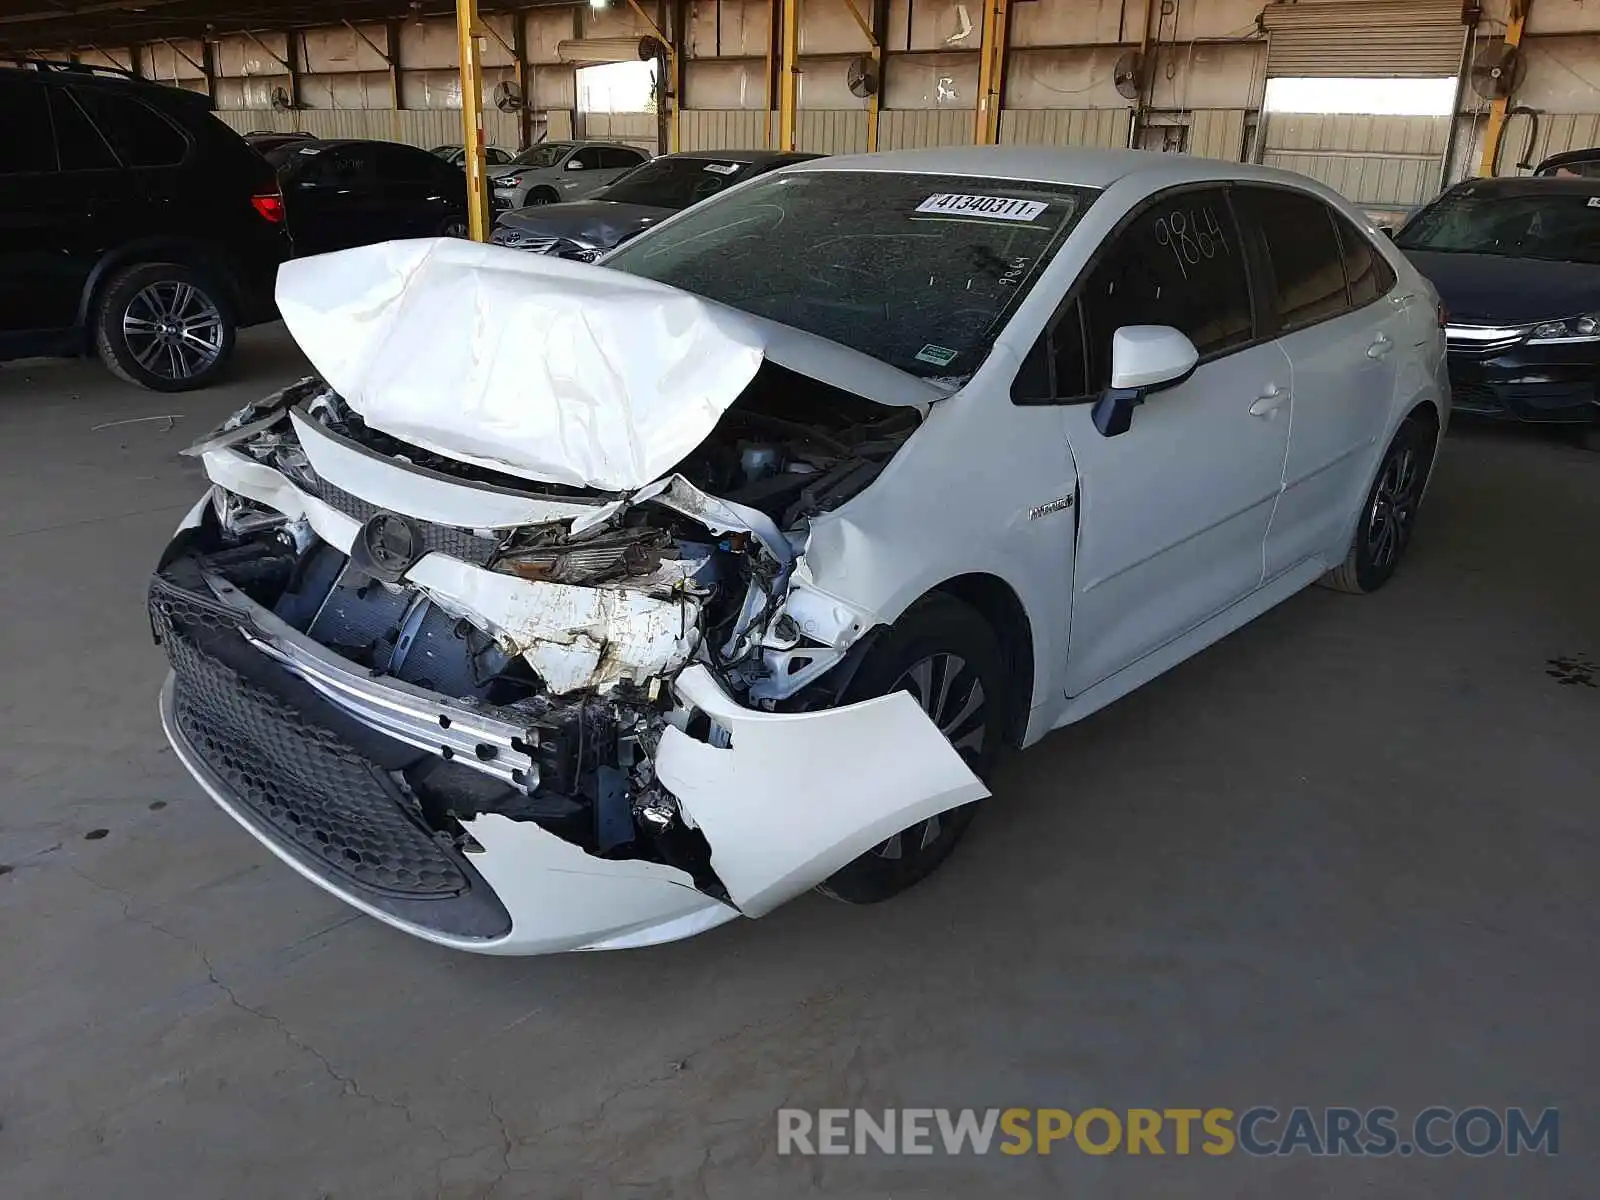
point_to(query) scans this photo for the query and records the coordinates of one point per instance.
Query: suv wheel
(163, 326)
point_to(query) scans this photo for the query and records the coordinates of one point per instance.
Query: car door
(41, 251)
(1323, 288)
(582, 173)
(332, 199)
(422, 197)
(1173, 513)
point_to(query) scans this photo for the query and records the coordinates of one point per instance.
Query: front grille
(312, 789)
(525, 241)
(444, 539)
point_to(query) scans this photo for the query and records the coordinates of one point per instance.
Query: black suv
(133, 224)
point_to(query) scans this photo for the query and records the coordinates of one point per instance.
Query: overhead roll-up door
(1364, 38)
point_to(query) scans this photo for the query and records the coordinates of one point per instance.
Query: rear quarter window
(140, 136)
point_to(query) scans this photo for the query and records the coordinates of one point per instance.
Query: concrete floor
(1346, 857)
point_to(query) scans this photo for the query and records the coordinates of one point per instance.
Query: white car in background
(593, 606)
(555, 172)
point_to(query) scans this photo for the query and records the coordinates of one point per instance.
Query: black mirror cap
(1113, 412)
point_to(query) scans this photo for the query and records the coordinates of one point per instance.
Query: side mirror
(1144, 359)
(574, 165)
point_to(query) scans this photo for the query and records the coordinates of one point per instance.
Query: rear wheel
(1390, 513)
(946, 657)
(539, 196)
(455, 227)
(164, 326)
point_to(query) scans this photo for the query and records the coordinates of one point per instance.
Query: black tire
(939, 627)
(537, 196)
(455, 227)
(179, 348)
(1390, 513)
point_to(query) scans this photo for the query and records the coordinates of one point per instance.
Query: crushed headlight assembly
(1572, 329)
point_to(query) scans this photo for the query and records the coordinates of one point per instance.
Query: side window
(588, 158)
(613, 158)
(79, 143)
(402, 164)
(1301, 254)
(25, 131)
(1179, 263)
(343, 166)
(1056, 368)
(1367, 275)
(140, 136)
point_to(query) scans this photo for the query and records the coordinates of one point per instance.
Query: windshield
(547, 155)
(443, 151)
(675, 182)
(1560, 226)
(919, 271)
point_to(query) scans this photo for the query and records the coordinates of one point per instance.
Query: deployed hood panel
(554, 371)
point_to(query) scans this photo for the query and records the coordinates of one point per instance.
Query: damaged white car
(579, 607)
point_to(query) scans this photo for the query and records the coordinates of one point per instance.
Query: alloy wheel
(1394, 506)
(952, 695)
(173, 330)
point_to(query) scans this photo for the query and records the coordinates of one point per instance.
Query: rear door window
(341, 166)
(403, 164)
(25, 129)
(79, 143)
(1365, 271)
(613, 158)
(1300, 253)
(1178, 263)
(140, 136)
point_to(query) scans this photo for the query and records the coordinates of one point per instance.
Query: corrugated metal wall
(636, 129)
(723, 129)
(1064, 127)
(1371, 160)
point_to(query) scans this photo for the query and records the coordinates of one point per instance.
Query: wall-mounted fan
(862, 76)
(280, 99)
(1497, 71)
(508, 96)
(1127, 76)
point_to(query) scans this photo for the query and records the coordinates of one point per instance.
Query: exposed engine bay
(568, 630)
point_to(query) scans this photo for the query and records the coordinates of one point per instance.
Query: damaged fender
(794, 797)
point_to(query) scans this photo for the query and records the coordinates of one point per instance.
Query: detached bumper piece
(324, 792)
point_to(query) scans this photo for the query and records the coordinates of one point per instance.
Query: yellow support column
(991, 72)
(1496, 128)
(472, 119)
(789, 77)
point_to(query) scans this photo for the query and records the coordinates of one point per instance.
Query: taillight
(269, 205)
(1444, 314)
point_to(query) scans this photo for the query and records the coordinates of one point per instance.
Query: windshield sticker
(939, 356)
(310, 150)
(996, 208)
(1594, 201)
(722, 168)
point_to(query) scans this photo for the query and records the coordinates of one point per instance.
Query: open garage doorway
(617, 102)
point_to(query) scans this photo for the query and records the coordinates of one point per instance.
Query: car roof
(1530, 185)
(1570, 156)
(746, 156)
(1082, 167)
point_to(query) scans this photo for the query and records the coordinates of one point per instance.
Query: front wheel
(1390, 513)
(947, 658)
(164, 326)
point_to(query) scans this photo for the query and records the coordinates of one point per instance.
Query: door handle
(1381, 345)
(1270, 401)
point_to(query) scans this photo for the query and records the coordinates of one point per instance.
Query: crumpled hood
(555, 371)
(601, 223)
(552, 370)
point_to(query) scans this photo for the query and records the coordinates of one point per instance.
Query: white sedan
(579, 607)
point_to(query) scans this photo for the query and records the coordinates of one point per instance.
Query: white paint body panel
(796, 796)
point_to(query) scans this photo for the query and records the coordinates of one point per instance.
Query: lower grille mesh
(445, 539)
(298, 777)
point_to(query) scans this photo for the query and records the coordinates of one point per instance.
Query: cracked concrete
(1346, 857)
